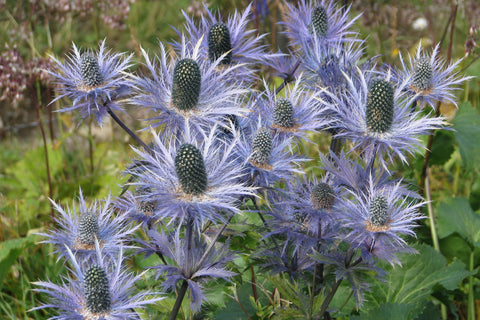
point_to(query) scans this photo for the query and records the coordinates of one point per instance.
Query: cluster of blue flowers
(221, 148)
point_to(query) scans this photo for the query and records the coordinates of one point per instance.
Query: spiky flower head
(219, 43)
(319, 21)
(191, 177)
(297, 114)
(378, 118)
(97, 290)
(93, 291)
(88, 228)
(186, 84)
(227, 42)
(266, 154)
(322, 196)
(90, 71)
(379, 108)
(422, 75)
(283, 113)
(184, 88)
(430, 78)
(190, 169)
(79, 228)
(307, 20)
(378, 215)
(262, 147)
(92, 80)
(378, 219)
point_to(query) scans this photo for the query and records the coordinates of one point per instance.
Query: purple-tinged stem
(289, 78)
(44, 138)
(124, 127)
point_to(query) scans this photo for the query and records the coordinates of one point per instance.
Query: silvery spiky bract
(430, 78)
(175, 91)
(168, 174)
(247, 49)
(93, 80)
(295, 113)
(188, 261)
(368, 119)
(102, 290)
(378, 219)
(265, 154)
(306, 20)
(80, 226)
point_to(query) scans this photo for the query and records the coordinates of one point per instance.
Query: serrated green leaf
(467, 132)
(456, 215)
(412, 283)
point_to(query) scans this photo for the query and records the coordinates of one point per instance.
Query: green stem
(471, 298)
(433, 229)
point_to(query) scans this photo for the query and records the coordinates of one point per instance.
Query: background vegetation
(94, 158)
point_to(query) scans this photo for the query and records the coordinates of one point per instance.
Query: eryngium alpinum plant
(225, 163)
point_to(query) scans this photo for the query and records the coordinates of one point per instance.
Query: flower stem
(124, 127)
(471, 298)
(289, 78)
(36, 104)
(178, 302)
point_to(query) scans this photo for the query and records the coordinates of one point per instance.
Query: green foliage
(467, 132)
(456, 215)
(408, 287)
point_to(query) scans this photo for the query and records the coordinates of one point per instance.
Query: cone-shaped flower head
(92, 80)
(191, 177)
(229, 41)
(319, 21)
(90, 71)
(378, 213)
(219, 43)
(307, 20)
(102, 290)
(379, 107)
(186, 87)
(422, 75)
(378, 219)
(262, 147)
(97, 290)
(190, 169)
(186, 84)
(430, 78)
(79, 228)
(322, 196)
(377, 117)
(88, 228)
(283, 113)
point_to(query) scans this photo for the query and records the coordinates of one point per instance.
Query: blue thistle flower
(317, 19)
(265, 154)
(187, 262)
(188, 178)
(79, 228)
(244, 48)
(307, 211)
(375, 116)
(378, 219)
(137, 209)
(93, 80)
(100, 290)
(297, 114)
(430, 79)
(186, 88)
(326, 64)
